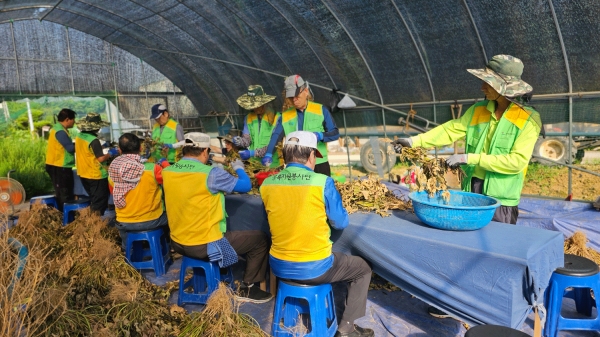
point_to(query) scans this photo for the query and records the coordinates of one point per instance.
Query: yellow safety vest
(144, 202)
(88, 165)
(56, 155)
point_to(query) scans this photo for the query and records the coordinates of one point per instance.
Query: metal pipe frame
(50, 11)
(476, 30)
(306, 41)
(55, 61)
(12, 32)
(568, 69)
(70, 63)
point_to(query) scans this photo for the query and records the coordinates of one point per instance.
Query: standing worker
(194, 195)
(301, 206)
(60, 157)
(500, 134)
(166, 130)
(89, 158)
(304, 115)
(258, 125)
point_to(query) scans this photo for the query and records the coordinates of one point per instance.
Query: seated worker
(228, 146)
(137, 193)
(166, 130)
(301, 206)
(196, 213)
(258, 125)
(90, 161)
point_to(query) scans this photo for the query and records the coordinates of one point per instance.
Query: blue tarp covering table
(486, 276)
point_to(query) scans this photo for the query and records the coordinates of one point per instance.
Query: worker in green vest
(166, 130)
(60, 157)
(303, 115)
(258, 125)
(500, 133)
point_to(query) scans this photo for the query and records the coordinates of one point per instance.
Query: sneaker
(253, 295)
(358, 332)
(437, 313)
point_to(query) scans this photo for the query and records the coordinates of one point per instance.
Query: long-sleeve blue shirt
(337, 217)
(330, 134)
(64, 140)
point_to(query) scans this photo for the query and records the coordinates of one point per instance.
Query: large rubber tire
(367, 159)
(554, 148)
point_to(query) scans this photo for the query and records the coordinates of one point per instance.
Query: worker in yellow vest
(258, 125)
(137, 191)
(302, 206)
(303, 115)
(194, 195)
(500, 133)
(90, 160)
(60, 157)
(166, 130)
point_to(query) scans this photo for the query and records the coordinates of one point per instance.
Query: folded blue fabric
(222, 252)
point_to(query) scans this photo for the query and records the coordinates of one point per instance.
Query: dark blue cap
(157, 110)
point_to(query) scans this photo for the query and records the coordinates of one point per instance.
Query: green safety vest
(504, 187)
(168, 136)
(313, 121)
(260, 134)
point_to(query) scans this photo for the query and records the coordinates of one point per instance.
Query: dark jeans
(323, 168)
(254, 244)
(505, 214)
(98, 191)
(62, 180)
(125, 227)
(357, 273)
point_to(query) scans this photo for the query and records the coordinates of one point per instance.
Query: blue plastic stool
(70, 207)
(205, 280)
(581, 274)
(159, 250)
(494, 331)
(49, 200)
(289, 306)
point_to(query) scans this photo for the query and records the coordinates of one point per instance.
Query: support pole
(29, 116)
(346, 142)
(70, 61)
(12, 32)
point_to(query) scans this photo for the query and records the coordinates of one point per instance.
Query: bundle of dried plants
(369, 195)
(577, 245)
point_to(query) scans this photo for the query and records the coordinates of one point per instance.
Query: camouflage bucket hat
(92, 121)
(254, 98)
(503, 73)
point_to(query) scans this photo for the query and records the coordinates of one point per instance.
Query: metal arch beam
(476, 31)
(267, 42)
(233, 40)
(417, 49)
(152, 33)
(386, 107)
(174, 62)
(568, 69)
(306, 41)
(189, 35)
(357, 49)
(50, 11)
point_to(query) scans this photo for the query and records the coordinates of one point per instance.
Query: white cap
(303, 138)
(197, 139)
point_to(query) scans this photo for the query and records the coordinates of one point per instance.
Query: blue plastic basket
(463, 212)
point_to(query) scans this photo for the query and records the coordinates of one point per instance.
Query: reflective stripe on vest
(144, 202)
(313, 121)
(196, 216)
(504, 187)
(295, 204)
(88, 165)
(168, 136)
(56, 155)
(261, 136)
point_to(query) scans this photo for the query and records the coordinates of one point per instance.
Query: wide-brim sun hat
(229, 136)
(92, 121)
(254, 98)
(503, 73)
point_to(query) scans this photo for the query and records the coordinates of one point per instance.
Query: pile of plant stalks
(251, 168)
(150, 147)
(429, 172)
(369, 195)
(76, 282)
(577, 245)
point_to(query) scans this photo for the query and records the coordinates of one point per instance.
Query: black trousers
(505, 214)
(62, 180)
(98, 191)
(323, 168)
(253, 244)
(357, 273)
